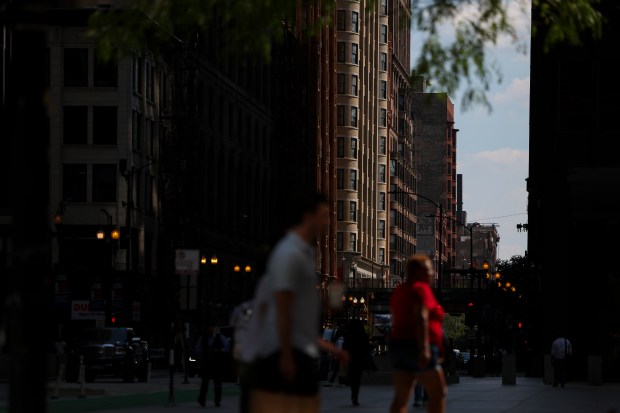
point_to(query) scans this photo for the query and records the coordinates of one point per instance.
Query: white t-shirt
(560, 348)
(292, 267)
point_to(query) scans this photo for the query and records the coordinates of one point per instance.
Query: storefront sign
(80, 310)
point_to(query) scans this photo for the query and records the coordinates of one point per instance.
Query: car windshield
(104, 336)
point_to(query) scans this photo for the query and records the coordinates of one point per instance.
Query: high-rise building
(403, 164)
(574, 185)
(362, 147)
(435, 141)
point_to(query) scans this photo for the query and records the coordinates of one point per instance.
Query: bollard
(82, 378)
(148, 372)
(171, 401)
(61, 373)
(509, 369)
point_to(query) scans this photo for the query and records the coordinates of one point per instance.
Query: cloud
(494, 191)
(502, 156)
(518, 91)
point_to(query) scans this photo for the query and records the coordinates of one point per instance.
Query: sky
(492, 147)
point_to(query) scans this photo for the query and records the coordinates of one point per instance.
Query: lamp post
(440, 263)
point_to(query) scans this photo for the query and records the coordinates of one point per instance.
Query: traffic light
(520, 325)
(113, 319)
(470, 317)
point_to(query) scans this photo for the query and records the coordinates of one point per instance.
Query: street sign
(187, 262)
(80, 310)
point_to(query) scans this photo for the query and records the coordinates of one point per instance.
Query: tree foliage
(454, 35)
(454, 326)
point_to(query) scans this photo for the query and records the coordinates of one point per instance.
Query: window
(384, 7)
(353, 116)
(340, 147)
(340, 115)
(401, 148)
(104, 125)
(340, 51)
(105, 74)
(340, 83)
(75, 125)
(353, 148)
(382, 228)
(401, 102)
(136, 130)
(76, 67)
(382, 145)
(355, 23)
(384, 33)
(136, 80)
(340, 178)
(104, 183)
(381, 255)
(392, 241)
(150, 81)
(354, 50)
(148, 186)
(401, 126)
(382, 201)
(383, 117)
(392, 166)
(353, 242)
(383, 61)
(74, 182)
(353, 211)
(353, 179)
(393, 217)
(339, 241)
(149, 136)
(354, 85)
(383, 89)
(381, 172)
(341, 20)
(340, 210)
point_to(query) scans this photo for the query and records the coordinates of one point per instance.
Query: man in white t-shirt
(561, 348)
(288, 346)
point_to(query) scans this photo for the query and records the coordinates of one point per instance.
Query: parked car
(116, 351)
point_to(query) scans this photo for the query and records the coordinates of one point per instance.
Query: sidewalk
(485, 395)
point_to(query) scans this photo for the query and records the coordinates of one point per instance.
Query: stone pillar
(595, 370)
(509, 369)
(548, 370)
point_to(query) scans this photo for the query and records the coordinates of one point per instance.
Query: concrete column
(595, 370)
(509, 369)
(548, 370)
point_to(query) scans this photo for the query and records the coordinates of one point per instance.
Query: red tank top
(403, 317)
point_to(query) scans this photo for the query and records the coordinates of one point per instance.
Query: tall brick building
(403, 153)
(435, 141)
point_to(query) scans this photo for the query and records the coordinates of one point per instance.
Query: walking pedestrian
(214, 346)
(334, 365)
(417, 338)
(419, 395)
(288, 346)
(561, 349)
(356, 344)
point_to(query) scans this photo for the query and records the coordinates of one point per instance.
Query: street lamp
(115, 234)
(498, 275)
(100, 234)
(248, 268)
(237, 268)
(485, 266)
(203, 259)
(213, 260)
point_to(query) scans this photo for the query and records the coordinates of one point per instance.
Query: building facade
(574, 182)
(435, 141)
(402, 156)
(104, 127)
(362, 176)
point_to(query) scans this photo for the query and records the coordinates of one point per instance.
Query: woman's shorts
(405, 356)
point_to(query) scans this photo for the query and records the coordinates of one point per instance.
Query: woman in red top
(417, 338)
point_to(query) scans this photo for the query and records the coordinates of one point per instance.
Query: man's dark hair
(304, 204)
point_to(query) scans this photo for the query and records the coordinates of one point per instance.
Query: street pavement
(480, 395)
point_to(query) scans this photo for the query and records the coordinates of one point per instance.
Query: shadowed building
(574, 185)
